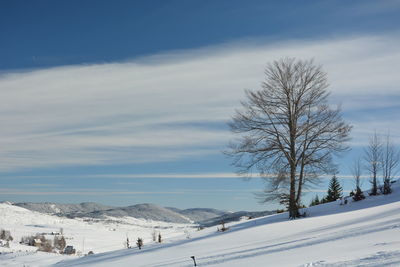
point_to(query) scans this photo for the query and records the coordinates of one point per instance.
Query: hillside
(199, 214)
(85, 234)
(364, 233)
(63, 209)
(358, 233)
(144, 211)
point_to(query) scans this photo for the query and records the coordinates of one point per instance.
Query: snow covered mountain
(143, 211)
(63, 209)
(204, 216)
(140, 211)
(363, 233)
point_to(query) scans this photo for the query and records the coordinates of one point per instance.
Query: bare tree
(373, 160)
(390, 164)
(357, 194)
(355, 169)
(356, 172)
(286, 131)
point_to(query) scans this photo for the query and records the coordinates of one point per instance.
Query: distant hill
(63, 209)
(202, 216)
(143, 211)
(233, 217)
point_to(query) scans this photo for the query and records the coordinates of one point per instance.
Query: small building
(69, 250)
(37, 242)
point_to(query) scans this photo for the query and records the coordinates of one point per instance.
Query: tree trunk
(300, 185)
(293, 208)
(374, 190)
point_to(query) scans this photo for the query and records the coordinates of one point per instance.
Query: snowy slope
(199, 214)
(359, 233)
(84, 234)
(365, 233)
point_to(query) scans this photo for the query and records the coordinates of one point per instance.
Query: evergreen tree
(334, 190)
(315, 201)
(159, 238)
(357, 194)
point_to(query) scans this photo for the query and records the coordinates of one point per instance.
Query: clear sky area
(127, 102)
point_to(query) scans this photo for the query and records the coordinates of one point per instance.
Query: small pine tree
(357, 194)
(334, 190)
(315, 201)
(284, 200)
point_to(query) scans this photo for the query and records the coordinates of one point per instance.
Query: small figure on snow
(139, 243)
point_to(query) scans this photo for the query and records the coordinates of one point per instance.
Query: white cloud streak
(146, 110)
(99, 192)
(85, 193)
(213, 175)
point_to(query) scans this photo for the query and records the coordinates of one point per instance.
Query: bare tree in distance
(373, 161)
(287, 131)
(355, 169)
(356, 172)
(390, 164)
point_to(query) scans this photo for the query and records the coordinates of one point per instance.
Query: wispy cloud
(104, 192)
(158, 108)
(212, 175)
(85, 193)
(39, 185)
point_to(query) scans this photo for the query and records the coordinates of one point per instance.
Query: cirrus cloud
(165, 107)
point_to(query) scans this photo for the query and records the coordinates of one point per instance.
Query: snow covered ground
(365, 233)
(98, 235)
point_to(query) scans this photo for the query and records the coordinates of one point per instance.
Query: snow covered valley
(363, 233)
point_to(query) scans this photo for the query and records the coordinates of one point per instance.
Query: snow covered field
(365, 233)
(84, 234)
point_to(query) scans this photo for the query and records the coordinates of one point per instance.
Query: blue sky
(125, 102)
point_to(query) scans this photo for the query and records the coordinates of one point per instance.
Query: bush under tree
(357, 194)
